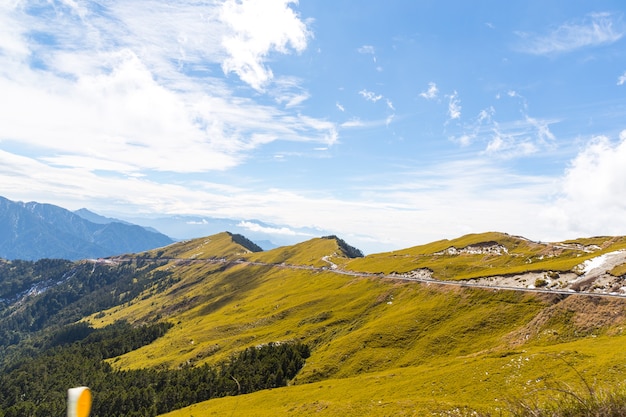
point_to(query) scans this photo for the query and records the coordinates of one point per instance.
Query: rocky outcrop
(483, 248)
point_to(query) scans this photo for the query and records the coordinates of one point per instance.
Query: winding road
(592, 270)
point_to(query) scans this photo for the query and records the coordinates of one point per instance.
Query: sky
(389, 123)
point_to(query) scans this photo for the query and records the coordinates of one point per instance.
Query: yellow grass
(523, 256)
(485, 383)
(379, 347)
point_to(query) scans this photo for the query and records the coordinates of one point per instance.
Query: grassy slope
(219, 245)
(523, 255)
(308, 253)
(481, 382)
(380, 347)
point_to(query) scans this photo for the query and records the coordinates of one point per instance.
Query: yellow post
(78, 402)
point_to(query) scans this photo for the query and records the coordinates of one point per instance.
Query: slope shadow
(231, 285)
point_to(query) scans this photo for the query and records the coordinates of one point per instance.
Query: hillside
(381, 341)
(504, 261)
(31, 231)
(365, 329)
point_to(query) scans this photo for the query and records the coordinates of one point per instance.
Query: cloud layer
(596, 29)
(593, 190)
(129, 87)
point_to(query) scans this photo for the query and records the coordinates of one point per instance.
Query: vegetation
(349, 251)
(69, 292)
(245, 242)
(522, 256)
(568, 402)
(221, 245)
(35, 385)
(618, 271)
(377, 346)
(318, 252)
(18, 277)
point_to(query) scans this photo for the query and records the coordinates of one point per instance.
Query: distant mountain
(96, 218)
(266, 244)
(34, 230)
(266, 235)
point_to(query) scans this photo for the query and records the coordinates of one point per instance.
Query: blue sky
(388, 123)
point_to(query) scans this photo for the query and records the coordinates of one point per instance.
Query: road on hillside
(333, 268)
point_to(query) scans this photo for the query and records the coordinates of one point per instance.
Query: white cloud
(255, 227)
(454, 106)
(367, 49)
(340, 107)
(431, 93)
(593, 190)
(370, 96)
(123, 116)
(440, 201)
(510, 139)
(12, 42)
(519, 138)
(259, 27)
(594, 30)
(367, 124)
(370, 50)
(465, 139)
(287, 91)
(622, 79)
(485, 115)
(446, 200)
(294, 100)
(542, 128)
(507, 146)
(200, 222)
(353, 123)
(478, 129)
(118, 90)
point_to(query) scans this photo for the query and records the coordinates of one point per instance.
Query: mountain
(266, 235)
(33, 231)
(96, 218)
(468, 326)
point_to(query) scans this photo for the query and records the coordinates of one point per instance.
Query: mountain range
(34, 230)
(487, 324)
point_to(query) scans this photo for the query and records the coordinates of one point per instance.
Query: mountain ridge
(38, 230)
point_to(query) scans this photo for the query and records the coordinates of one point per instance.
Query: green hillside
(318, 329)
(221, 245)
(521, 255)
(318, 252)
(380, 346)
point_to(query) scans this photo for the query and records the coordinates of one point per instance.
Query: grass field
(379, 347)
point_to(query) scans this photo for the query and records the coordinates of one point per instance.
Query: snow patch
(605, 261)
